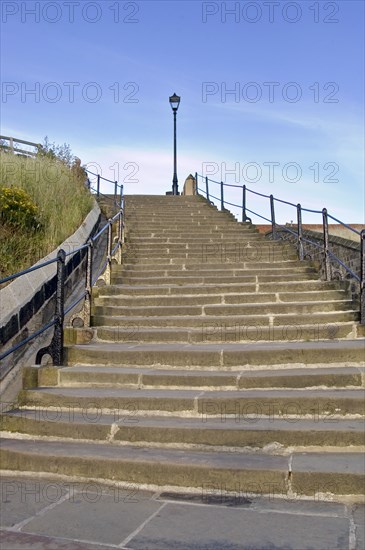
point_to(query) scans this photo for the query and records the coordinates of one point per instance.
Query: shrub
(18, 209)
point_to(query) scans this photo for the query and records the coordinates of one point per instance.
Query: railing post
(55, 348)
(98, 185)
(89, 283)
(121, 197)
(115, 190)
(244, 217)
(107, 274)
(120, 237)
(207, 187)
(300, 233)
(326, 259)
(222, 196)
(362, 279)
(272, 209)
(60, 307)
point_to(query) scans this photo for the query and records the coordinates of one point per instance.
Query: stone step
(221, 333)
(208, 238)
(212, 251)
(210, 256)
(198, 244)
(202, 280)
(218, 355)
(131, 427)
(145, 378)
(205, 299)
(249, 308)
(192, 220)
(289, 286)
(215, 235)
(296, 325)
(188, 279)
(189, 266)
(181, 222)
(304, 473)
(312, 402)
(245, 259)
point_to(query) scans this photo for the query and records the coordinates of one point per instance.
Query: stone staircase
(218, 362)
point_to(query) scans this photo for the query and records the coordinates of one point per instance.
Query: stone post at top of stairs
(190, 186)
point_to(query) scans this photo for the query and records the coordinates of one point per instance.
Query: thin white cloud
(141, 171)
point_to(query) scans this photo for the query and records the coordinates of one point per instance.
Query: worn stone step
(215, 236)
(220, 248)
(131, 427)
(294, 324)
(173, 214)
(304, 473)
(181, 223)
(246, 259)
(203, 281)
(205, 299)
(193, 267)
(266, 402)
(208, 280)
(246, 255)
(158, 290)
(176, 274)
(191, 239)
(196, 229)
(211, 253)
(221, 333)
(139, 377)
(249, 308)
(218, 355)
(189, 267)
(198, 244)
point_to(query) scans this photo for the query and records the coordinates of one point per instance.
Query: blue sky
(272, 93)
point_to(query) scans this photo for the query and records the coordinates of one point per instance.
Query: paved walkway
(39, 513)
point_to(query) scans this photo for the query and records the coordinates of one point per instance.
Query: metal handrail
(327, 253)
(28, 339)
(345, 225)
(25, 271)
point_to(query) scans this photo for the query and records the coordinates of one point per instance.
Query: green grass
(62, 202)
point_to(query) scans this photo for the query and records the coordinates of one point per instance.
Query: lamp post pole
(174, 102)
(175, 188)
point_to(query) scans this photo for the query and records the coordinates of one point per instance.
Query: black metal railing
(112, 251)
(277, 229)
(118, 188)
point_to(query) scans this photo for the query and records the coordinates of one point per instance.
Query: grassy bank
(43, 200)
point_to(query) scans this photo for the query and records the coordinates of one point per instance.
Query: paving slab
(237, 529)
(24, 498)
(26, 541)
(95, 517)
(359, 522)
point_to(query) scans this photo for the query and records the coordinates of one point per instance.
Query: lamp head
(174, 102)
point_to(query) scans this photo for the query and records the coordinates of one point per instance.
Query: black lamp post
(174, 102)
